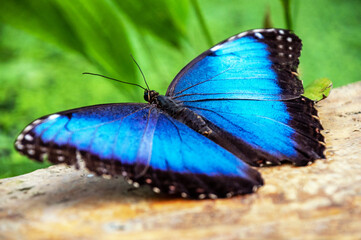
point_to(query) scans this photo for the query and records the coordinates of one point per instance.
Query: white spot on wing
(231, 38)
(184, 195)
(36, 122)
(242, 34)
(31, 151)
(258, 30)
(28, 128)
(212, 196)
(59, 151)
(279, 37)
(230, 194)
(28, 137)
(156, 190)
(20, 137)
(215, 48)
(19, 146)
(30, 146)
(43, 149)
(281, 32)
(258, 35)
(202, 196)
(136, 185)
(51, 117)
(289, 39)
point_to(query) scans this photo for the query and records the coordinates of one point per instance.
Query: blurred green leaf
(98, 29)
(318, 89)
(202, 22)
(267, 22)
(164, 18)
(43, 19)
(287, 13)
(92, 28)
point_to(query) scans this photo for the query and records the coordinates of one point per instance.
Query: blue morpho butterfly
(237, 104)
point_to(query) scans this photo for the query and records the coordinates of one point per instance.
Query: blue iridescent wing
(187, 163)
(258, 64)
(90, 133)
(247, 88)
(144, 145)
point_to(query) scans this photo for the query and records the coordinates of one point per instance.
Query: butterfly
(237, 105)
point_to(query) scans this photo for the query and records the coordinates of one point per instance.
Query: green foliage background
(45, 45)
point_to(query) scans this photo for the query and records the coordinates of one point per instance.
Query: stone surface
(320, 201)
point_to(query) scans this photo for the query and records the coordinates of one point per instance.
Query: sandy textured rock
(314, 202)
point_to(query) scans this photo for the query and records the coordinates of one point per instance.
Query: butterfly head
(151, 96)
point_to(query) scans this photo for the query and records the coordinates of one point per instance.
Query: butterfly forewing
(250, 65)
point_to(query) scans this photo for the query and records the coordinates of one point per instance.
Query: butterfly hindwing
(265, 132)
(185, 162)
(143, 144)
(247, 88)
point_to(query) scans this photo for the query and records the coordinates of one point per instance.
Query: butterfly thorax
(177, 110)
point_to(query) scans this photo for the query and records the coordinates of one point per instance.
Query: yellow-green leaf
(318, 89)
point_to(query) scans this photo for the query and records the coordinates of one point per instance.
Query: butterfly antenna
(140, 71)
(95, 74)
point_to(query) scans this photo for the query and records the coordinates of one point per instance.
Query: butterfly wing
(187, 163)
(247, 88)
(143, 144)
(106, 132)
(258, 65)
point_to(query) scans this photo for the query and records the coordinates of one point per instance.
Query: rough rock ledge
(320, 201)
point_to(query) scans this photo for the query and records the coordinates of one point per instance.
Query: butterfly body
(178, 111)
(237, 104)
